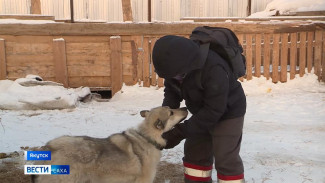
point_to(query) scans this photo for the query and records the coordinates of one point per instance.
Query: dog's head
(159, 120)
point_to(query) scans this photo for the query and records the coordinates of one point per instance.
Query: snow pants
(220, 146)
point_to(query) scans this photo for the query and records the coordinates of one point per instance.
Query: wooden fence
(103, 56)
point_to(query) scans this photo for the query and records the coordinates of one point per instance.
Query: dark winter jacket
(210, 90)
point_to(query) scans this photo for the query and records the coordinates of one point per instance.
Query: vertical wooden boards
(310, 40)
(134, 62)
(138, 40)
(241, 41)
(249, 56)
(153, 73)
(35, 7)
(293, 55)
(267, 56)
(127, 10)
(258, 55)
(323, 59)
(284, 57)
(302, 55)
(60, 61)
(3, 63)
(116, 63)
(318, 53)
(275, 58)
(146, 62)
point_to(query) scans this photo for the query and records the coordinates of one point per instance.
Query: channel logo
(60, 169)
(37, 155)
(46, 169)
(37, 169)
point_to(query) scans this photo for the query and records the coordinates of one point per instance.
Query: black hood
(174, 55)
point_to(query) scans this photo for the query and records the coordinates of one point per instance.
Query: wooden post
(146, 63)
(318, 53)
(267, 52)
(284, 57)
(153, 73)
(275, 61)
(116, 63)
(71, 11)
(323, 58)
(249, 7)
(35, 7)
(138, 40)
(134, 62)
(60, 62)
(149, 10)
(3, 63)
(258, 54)
(302, 55)
(249, 56)
(127, 10)
(310, 39)
(293, 55)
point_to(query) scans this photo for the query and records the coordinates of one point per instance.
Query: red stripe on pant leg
(230, 177)
(201, 179)
(197, 167)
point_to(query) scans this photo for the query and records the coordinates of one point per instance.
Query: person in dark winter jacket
(217, 102)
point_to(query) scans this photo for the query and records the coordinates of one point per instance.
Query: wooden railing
(107, 55)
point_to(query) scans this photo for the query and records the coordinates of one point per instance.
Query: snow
(287, 6)
(33, 93)
(17, 21)
(283, 141)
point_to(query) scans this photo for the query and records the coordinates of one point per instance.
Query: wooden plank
(241, 41)
(249, 56)
(153, 73)
(318, 53)
(135, 29)
(90, 81)
(138, 43)
(293, 55)
(323, 58)
(275, 58)
(116, 64)
(284, 57)
(267, 56)
(146, 62)
(160, 82)
(29, 60)
(134, 62)
(127, 10)
(89, 70)
(35, 7)
(60, 62)
(28, 17)
(302, 55)
(310, 39)
(258, 55)
(45, 71)
(3, 62)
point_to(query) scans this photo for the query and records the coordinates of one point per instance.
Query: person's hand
(174, 136)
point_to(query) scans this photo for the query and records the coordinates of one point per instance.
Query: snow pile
(32, 93)
(287, 6)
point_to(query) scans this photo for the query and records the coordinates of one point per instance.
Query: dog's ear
(144, 113)
(160, 124)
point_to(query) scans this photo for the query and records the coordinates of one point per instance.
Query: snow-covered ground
(284, 132)
(285, 7)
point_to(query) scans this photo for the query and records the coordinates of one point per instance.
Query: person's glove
(174, 136)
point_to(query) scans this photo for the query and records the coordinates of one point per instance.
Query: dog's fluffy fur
(131, 156)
